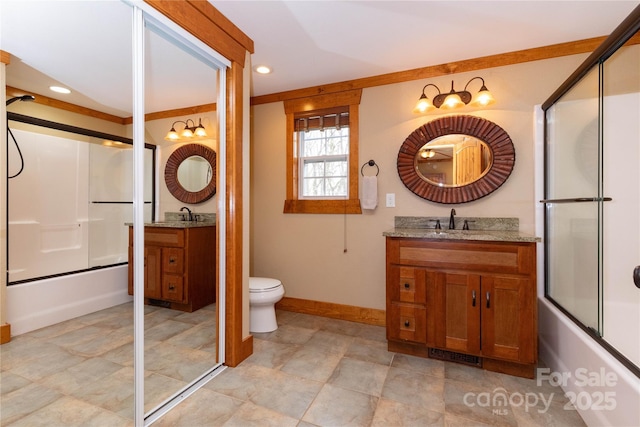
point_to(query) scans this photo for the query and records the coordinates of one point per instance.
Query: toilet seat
(263, 284)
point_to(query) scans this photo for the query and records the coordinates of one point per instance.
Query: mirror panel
(482, 170)
(181, 341)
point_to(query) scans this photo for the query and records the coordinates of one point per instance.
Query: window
(322, 154)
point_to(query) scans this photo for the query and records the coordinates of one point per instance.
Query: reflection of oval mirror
(190, 173)
(194, 173)
(453, 160)
(483, 163)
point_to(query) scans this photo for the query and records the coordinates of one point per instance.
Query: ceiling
(87, 46)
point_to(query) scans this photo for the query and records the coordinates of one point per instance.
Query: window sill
(323, 206)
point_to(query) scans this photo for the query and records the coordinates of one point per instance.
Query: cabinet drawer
(164, 236)
(408, 285)
(173, 260)
(172, 287)
(408, 323)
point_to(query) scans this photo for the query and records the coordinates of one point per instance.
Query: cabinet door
(454, 311)
(508, 320)
(152, 272)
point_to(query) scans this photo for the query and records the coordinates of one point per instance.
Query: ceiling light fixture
(60, 89)
(454, 99)
(188, 132)
(262, 69)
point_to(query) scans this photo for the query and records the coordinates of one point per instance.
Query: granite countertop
(481, 229)
(177, 224)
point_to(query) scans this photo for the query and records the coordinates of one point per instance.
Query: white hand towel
(369, 192)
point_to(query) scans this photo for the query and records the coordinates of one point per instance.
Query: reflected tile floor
(312, 371)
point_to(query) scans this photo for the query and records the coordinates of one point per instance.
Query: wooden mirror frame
(502, 149)
(171, 173)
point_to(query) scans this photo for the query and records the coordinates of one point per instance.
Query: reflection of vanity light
(188, 132)
(427, 154)
(115, 144)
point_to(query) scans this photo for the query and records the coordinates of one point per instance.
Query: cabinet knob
(488, 301)
(473, 298)
(407, 286)
(172, 288)
(172, 260)
(406, 323)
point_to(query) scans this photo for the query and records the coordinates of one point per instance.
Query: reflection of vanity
(179, 264)
(464, 296)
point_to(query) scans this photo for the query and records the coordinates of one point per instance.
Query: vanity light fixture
(188, 132)
(454, 99)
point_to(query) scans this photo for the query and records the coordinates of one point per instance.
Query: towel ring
(370, 163)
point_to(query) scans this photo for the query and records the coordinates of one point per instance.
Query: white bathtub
(34, 305)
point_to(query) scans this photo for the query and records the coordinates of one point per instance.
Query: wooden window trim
(292, 107)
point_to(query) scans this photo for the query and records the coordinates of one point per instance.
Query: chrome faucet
(190, 217)
(452, 223)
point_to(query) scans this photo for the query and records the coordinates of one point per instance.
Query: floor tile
(414, 388)
(358, 375)
(24, 401)
(311, 371)
(68, 411)
(204, 408)
(250, 415)
(311, 363)
(391, 413)
(431, 367)
(286, 394)
(336, 406)
(271, 354)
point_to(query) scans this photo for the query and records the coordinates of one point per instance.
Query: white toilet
(264, 293)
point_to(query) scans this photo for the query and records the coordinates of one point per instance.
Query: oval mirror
(456, 159)
(190, 173)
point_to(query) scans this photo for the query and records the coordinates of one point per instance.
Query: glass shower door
(621, 172)
(573, 202)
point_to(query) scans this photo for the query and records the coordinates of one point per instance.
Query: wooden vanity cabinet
(179, 266)
(464, 298)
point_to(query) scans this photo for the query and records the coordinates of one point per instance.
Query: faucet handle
(466, 224)
(437, 221)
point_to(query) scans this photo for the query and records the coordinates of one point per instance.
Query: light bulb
(452, 101)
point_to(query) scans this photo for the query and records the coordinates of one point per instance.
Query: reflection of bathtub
(41, 303)
(37, 250)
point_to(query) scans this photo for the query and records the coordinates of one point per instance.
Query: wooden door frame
(206, 23)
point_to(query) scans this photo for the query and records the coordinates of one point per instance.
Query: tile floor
(312, 371)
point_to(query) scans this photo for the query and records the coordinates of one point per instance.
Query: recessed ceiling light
(59, 89)
(262, 69)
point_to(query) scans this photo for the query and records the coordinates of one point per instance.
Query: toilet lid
(261, 284)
